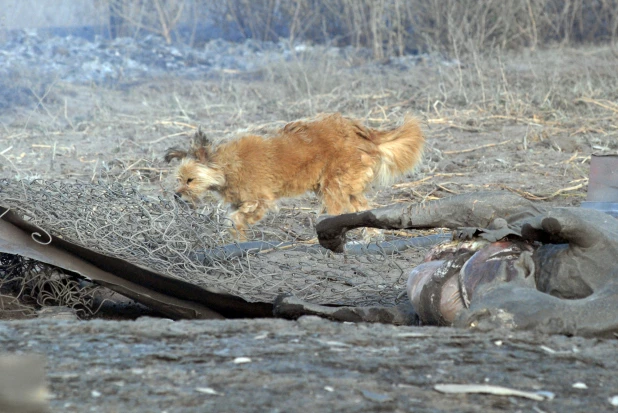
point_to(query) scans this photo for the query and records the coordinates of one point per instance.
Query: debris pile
(126, 59)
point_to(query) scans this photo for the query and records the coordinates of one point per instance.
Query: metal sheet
(172, 297)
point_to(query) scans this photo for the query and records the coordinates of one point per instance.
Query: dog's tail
(400, 149)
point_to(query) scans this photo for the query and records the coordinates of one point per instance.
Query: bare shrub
(386, 27)
(393, 27)
(130, 17)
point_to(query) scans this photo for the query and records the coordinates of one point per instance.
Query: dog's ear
(199, 139)
(174, 153)
(295, 127)
(200, 146)
(363, 131)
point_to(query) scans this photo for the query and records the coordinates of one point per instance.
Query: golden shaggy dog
(335, 157)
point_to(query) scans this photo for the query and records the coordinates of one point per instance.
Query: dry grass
(386, 27)
(514, 61)
(559, 99)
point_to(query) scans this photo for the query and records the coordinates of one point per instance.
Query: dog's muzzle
(183, 201)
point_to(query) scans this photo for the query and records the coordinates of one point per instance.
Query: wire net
(37, 283)
(166, 236)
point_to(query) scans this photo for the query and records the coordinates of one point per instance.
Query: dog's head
(196, 174)
(195, 179)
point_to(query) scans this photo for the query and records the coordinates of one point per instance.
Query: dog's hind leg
(359, 203)
(336, 201)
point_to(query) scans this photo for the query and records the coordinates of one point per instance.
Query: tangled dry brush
(165, 236)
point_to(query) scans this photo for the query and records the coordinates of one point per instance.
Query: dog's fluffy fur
(335, 157)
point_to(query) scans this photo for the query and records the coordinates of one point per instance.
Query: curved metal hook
(34, 236)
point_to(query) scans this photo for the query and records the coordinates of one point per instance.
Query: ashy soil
(526, 123)
(158, 365)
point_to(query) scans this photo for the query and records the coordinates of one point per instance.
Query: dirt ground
(158, 365)
(526, 123)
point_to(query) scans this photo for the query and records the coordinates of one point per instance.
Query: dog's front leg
(239, 225)
(248, 213)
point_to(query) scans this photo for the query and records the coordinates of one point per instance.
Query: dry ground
(527, 123)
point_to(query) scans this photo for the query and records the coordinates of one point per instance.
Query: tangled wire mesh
(37, 283)
(116, 220)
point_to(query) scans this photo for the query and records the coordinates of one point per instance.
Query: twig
(66, 115)
(489, 145)
(533, 197)
(128, 168)
(17, 135)
(606, 104)
(162, 138)
(487, 389)
(450, 124)
(40, 103)
(184, 112)
(53, 157)
(393, 105)
(11, 163)
(42, 146)
(442, 187)
(173, 122)
(534, 121)
(94, 171)
(414, 183)
(146, 168)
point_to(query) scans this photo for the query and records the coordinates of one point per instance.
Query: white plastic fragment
(613, 401)
(207, 390)
(498, 343)
(242, 360)
(335, 343)
(488, 389)
(95, 393)
(329, 389)
(579, 385)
